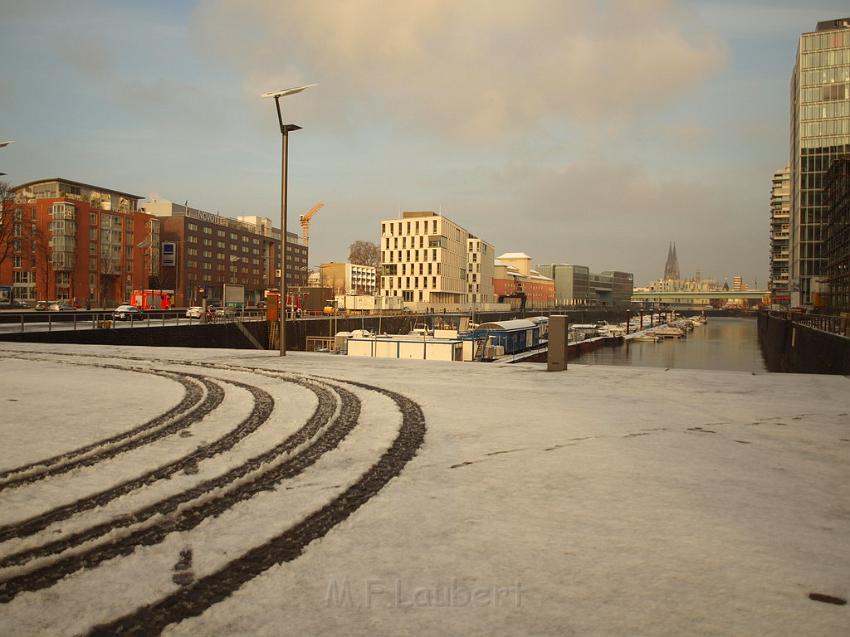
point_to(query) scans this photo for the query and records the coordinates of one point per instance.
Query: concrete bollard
(558, 343)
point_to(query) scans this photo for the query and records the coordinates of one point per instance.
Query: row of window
(389, 256)
(826, 127)
(830, 40)
(825, 58)
(193, 227)
(398, 227)
(825, 76)
(826, 93)
(827, 110)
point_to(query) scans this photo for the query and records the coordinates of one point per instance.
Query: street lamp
(284, 132)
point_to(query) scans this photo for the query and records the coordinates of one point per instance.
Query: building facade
(424, 260)
(602, 287)
(480, 269)
(622, 287)
(348, 278)
(780, 236)
(513, 275)
(837, 244)
(571, 283)
(213, 250)
(75, 241)
(820, 132)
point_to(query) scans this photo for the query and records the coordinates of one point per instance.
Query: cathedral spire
(671, 267)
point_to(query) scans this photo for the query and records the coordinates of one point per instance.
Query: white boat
(647, 337)
(669, 331)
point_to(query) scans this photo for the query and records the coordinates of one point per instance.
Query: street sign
(169, 253)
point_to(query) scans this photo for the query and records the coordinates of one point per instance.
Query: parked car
(196, 311)
(60, 306)
(224, 312)
(261, 305)
(126, 313)
(41, 305)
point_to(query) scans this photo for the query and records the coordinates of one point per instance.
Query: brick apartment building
(213, 250)
(71, 240)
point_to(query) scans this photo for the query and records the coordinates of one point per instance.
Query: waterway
(722, 343)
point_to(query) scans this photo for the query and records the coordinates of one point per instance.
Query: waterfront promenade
(231, 491)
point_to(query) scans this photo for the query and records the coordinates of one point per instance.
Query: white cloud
(475, 69)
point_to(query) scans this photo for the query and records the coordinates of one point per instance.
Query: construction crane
(305, 222)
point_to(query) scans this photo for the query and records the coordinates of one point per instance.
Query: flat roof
(405, 338)
(77, 183)
(515, 324)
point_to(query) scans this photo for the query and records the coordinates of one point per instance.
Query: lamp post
(234, 267)
(285, 129)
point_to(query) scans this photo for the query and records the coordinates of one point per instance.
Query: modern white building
(480, 269)
(348, 278)
(424, 259)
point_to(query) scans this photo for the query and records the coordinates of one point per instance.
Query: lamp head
(287, 91)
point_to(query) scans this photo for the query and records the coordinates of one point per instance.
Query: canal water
(722, 343)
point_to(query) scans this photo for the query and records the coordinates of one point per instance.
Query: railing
(51, 321)
(826, 323)
(829, 323)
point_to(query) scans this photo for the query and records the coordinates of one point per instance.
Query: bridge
(657, 296)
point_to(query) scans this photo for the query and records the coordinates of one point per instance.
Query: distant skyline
(584, 132)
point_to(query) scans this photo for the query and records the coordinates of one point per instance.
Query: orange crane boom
(305, 222)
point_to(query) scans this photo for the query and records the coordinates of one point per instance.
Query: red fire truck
(152, 299)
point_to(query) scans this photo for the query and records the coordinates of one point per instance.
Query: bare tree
(41, 253)
(364, 253)
(7, 222)
(367, 253)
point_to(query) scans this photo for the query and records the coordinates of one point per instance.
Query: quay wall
(225, 335)
(790, 347)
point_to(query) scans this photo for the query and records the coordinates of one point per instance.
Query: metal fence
(829, 323)
(50, 321)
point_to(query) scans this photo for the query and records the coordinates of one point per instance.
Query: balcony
(62, 261)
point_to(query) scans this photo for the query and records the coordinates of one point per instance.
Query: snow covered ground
(225, 492)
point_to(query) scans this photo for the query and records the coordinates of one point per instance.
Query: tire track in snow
(318, 420)
(189, 517)
(192, 600)
(166, 424)
(260, 412)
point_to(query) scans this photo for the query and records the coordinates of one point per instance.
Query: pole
(284, 152)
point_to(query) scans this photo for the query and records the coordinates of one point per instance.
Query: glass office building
(820, 132)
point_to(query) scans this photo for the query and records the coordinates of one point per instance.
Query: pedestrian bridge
(688, 297)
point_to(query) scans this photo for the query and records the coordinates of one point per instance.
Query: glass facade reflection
(820, 133)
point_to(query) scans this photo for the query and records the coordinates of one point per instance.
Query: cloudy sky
(576, 131)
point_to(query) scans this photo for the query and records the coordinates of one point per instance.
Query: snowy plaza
(224, 492)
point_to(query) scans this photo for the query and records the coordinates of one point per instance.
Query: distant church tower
(671, 268)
